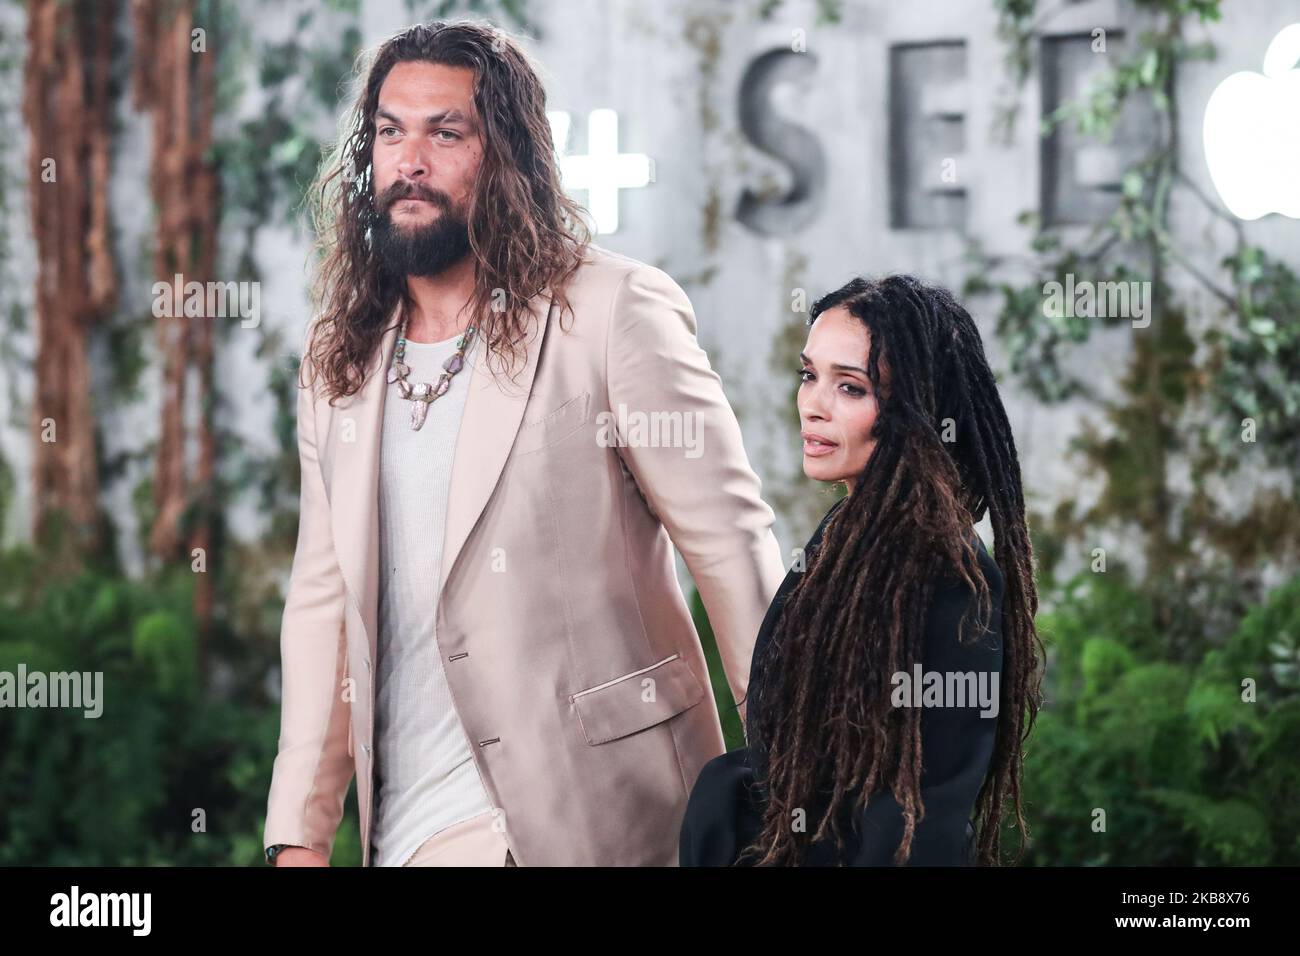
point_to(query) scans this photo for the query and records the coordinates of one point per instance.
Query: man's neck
(441, 303)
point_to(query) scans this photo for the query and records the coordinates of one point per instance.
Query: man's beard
(423, 250)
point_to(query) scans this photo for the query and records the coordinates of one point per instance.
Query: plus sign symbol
(602, 171)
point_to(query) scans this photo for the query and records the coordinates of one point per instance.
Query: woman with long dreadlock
(896, 675)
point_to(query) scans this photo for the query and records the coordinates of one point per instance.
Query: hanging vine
(1181, 407)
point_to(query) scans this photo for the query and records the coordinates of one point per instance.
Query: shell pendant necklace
(421, 394)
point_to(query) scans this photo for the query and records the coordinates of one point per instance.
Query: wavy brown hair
(821, 724)
(525, 234)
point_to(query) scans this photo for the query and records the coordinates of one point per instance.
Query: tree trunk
(66, 109)
(175, 84)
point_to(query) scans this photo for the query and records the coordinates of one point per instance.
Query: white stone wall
(672, 69)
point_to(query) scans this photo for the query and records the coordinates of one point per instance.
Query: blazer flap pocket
(637, 700)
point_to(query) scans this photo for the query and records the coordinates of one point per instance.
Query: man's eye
(447, 132)
(384, 130)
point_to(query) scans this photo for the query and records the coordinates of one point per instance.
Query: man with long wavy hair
(483, 620)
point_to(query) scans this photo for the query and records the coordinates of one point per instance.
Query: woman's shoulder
(992, 573)
(955, 600)
(988, 566)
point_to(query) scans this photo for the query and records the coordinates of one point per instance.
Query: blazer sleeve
(312, 769)
(708, 501)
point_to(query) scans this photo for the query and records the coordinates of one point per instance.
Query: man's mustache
(399, 191)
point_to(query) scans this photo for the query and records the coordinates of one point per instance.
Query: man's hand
(300, 856)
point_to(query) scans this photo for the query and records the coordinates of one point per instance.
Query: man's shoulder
(598, 259)
(604, 268)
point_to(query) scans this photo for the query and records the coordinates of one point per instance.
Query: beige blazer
(572, 658)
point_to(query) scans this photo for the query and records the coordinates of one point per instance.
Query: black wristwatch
(271, 852)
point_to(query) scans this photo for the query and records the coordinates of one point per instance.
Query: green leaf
(1150, 64)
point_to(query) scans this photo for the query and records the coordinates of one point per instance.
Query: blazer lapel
(354, 508)
(493, 411)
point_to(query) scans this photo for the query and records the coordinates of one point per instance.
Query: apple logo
(1252, 134)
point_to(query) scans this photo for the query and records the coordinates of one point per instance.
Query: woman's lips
(816, 449)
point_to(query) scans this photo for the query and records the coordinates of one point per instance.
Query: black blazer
(723, 812)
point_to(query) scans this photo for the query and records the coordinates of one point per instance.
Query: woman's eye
(807, 375)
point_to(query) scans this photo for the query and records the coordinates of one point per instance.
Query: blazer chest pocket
(554, 426)
(627, 704)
